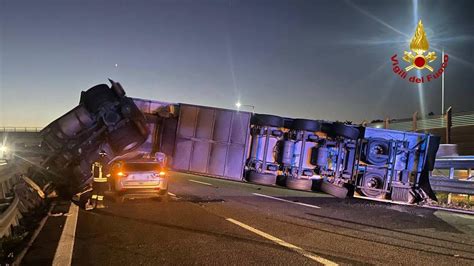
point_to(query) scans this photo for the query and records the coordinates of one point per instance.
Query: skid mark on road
(288, 201)
(65, 248)
(280, 242)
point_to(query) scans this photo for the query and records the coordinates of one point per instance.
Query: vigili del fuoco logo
(419, 58)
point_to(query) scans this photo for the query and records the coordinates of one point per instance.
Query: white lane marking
(199, 182)
(280, 242)
(171, 194)
(63, 255)
(289, 201)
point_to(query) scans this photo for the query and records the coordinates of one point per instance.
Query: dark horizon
(309, 59)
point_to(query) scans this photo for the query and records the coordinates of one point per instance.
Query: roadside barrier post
(448, 117)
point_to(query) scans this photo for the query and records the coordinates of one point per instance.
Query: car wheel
(267, 120)
(261, 178)
(339, 129)
(306, 124)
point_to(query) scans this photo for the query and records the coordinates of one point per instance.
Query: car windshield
(136, 167)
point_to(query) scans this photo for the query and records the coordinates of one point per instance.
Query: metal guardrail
(455, 162)
(11, 216)
(20, 129)
(461, 119)
(449, 183)
(16, 192)
(443, 184)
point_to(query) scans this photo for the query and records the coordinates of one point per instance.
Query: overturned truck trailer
(301, 154)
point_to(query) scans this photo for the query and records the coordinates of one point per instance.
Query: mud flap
(425, 185)
(424, 182)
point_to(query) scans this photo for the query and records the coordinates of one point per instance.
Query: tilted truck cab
(105, 119)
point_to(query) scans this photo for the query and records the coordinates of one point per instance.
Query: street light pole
(442, 84)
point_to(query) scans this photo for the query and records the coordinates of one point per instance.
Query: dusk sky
(312, 59)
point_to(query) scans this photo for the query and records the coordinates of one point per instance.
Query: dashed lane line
(288, 201)
(202, 183)
(283, 243)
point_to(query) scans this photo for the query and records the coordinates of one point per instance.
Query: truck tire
(96, 96)
(306, 124)
(261, 178)
(299, 184)
(335, 190)
(376, 151)
(126, 138)
(339, 129)
(287, 122)
(372, 182)
(267, 120)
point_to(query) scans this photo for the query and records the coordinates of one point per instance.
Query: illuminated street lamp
(4, 155)
(238, 105)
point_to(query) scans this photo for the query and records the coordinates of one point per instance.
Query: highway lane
(212, 221)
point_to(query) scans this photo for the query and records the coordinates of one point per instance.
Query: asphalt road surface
(210, 221)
